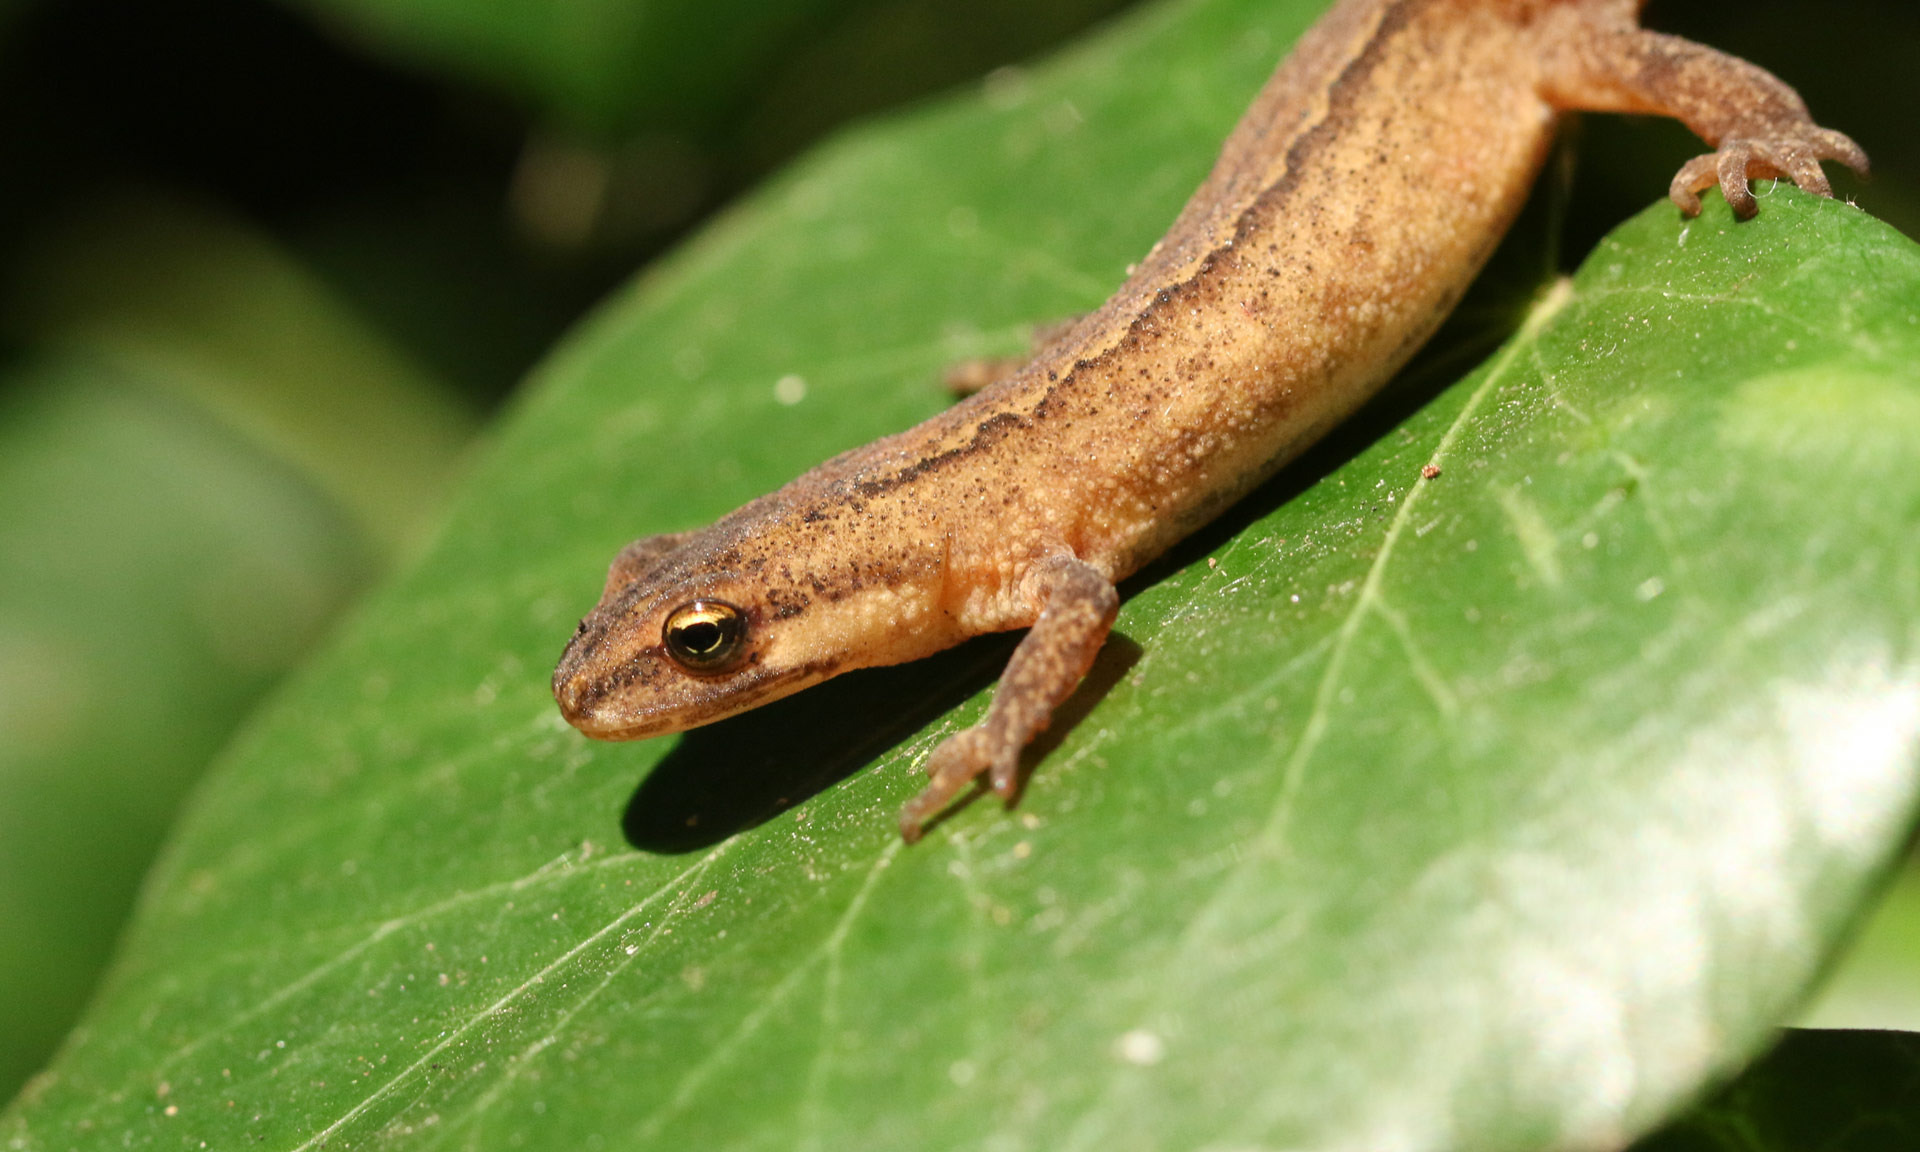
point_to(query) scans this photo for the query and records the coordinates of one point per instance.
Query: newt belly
(1349, 210)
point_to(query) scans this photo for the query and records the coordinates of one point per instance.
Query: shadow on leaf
(730, 776)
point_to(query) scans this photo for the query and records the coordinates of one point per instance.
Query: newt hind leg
(1598, 59)
(1078, 606)
(970, 376)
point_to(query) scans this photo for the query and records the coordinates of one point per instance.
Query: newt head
(650, 660)
(684, 639)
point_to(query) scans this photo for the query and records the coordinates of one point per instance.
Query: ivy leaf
(1501, 809)
(1876, 983)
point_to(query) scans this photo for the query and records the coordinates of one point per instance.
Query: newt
(1348, 211)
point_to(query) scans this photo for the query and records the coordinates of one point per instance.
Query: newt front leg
(1077, 607)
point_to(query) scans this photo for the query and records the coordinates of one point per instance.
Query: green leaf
(1832, 1090)
(1501, 810)
(1877, 982)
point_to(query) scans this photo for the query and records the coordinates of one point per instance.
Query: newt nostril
(576, 699)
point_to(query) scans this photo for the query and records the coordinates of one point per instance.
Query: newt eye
(706, 636)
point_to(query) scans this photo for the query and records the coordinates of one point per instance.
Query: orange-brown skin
(1348, 212)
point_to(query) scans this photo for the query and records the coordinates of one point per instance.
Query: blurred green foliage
(188, 492)
(760, 76)
(263, 274)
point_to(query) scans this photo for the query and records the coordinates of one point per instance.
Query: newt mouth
(635, 705)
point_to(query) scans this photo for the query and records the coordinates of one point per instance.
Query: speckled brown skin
(1349, 210)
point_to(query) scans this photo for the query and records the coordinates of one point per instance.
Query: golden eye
(706, 636)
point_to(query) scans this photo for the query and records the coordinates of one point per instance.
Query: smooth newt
(1346, 215)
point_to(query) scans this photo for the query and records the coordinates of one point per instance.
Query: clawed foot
(957, 762)
(1077, 604)
(1795, 155)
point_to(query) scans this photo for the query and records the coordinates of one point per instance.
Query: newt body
(1349, 210)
